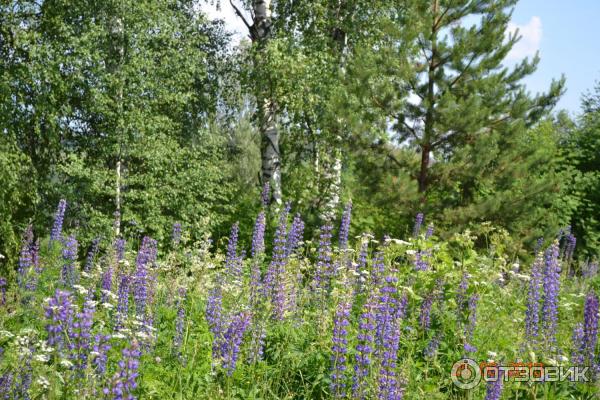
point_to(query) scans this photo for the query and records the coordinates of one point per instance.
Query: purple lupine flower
(147, 329)
(402, 307)
(364, 349)
(532, 315)
(233, 339)
(152, 250)
(258, 236)
(35, 259)
(106, 285)
(100, 349)
(216, 321)
(22, 385)
(124, 381)
(91, 256)
(176, 234)
(258, 249)
(274, 284)
(80, 335)
(265, 196)
(59, 312)
(345, 226)
(58, 221)
(590, 327)
(25, 260)
(570, 247)
(3, 284)
(432, 347)
(295, 236)
(69, 255)
(563, 240)
(258, 332)
(255, 284)
(469, 348)
(472, 322)
(551, 288)
(461, 294)
(425, 315)
(538, 245)
(388, 337)
(429, 232)
(6, 385)
(339, 350)
(388, 383)
(378, 269)
(147, 252)
(120, 249)
(494, 388)
(590, 269)
(322, 279)
(140, 289)
(180, 322)
(122, 301)
(231, 258)
(578, 353)
(141, 279)
(257, 339)
(563, 232)
(418, 223)
(421, 263)
(439, 292)
(35, 255)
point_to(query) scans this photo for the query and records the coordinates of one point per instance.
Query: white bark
(118, 201)
(260, 32)
(332, 168)
(262, 20)
(271, 160)
(332, 183)
(117, 30)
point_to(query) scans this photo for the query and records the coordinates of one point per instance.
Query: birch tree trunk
(116, 31)
(271, 159)
(332, 168)
(260, 33)
(331, 175)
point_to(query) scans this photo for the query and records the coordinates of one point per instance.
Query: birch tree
(260, 31)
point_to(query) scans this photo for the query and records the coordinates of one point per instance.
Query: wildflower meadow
(345, 315)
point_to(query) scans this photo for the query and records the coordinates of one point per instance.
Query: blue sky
(566, 33)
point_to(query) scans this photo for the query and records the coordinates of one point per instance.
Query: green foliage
(97, 83)
(583, 142)
(296, 363)
(17, 196)
(165, 183)
(470, 144)
(373, 84)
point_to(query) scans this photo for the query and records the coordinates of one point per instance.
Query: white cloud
(531, 37)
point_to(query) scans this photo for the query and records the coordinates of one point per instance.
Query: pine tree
(470, 115)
